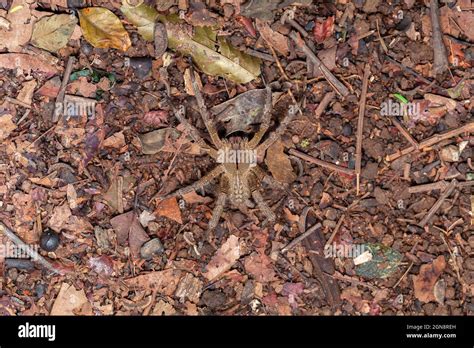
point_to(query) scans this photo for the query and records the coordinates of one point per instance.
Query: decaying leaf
(21, 25)
(53, 33)
(169, 208)
(241, 112)
(382, 263)
(62, 219)
(6, 126)
(128, 227)
(71, 302)
(103, 29)
(279, 164)
(323, 30)
(190, 288)
(277, 40)
(26, 63)
(153, 142)
(225, 61)
(260, 266)
(164, 282)
(424, 282)
(26, 93)
(224, 259)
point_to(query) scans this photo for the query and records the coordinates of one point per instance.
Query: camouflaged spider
(241, 176)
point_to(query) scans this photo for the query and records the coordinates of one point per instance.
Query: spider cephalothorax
(238, 167)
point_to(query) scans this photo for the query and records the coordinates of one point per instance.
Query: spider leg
(217, 211)
(197, 184)
(265, 120)
(266, 210)
(267, 178)
(273, 137)
(194, 133)
(205, 114)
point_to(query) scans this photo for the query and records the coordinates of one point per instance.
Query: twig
(360, 125)
(321, 163)
(339, 276)
(298, 239)
(338, 86)
(438, 185)
(324, 104)
(440, 63)
(62, 89)
(409, 70)
(403, 276)
(40, 137)
(258, 54)
(17, 102)
(28, 249)
(405, 133)
(468, 128)
(438, 203)
(336, 229)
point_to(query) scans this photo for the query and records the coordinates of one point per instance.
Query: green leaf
(103, 29)
(215, 56)
(53, 32)
(384, 262)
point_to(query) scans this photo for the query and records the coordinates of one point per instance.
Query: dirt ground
(372, 178)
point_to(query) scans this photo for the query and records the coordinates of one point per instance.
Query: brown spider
(241, 176)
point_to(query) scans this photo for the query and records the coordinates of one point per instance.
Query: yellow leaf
(103, 29)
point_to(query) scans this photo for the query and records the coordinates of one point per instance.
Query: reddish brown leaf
(169, 208)
(425, 281)
(323, 30)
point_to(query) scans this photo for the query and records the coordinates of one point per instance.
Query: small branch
(440, 63)
(324, 104)
(405, 133)
(28, 249)
(439, 185)
(321, 163)
(468, 128)
(360, 125)
(438, 203)
(298, 239)
(338, 86)
(62, 89)
(17, 102)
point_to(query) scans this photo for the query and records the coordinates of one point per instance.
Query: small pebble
(151, 248)
(347, 129)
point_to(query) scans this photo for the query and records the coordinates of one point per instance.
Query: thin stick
(440, 62)
(28, 249)
(438, 185)
(403, 276)
(324, 104)
(468, 128)
(298, 239)
(62, 89)
(321, 163)
(17, 102)
(338, 86)
(405, 133)
(438, 203)
(336, 229)
(360, 125)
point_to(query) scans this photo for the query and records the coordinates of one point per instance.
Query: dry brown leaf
(279, 164)
(277, 40)
(190, 287)
(169, 208)
(26, 63)
(260, 266)
(62, 219)
(425, 281)
(82, 87)
(128, 227)
(224, 259)
(116, 141)
(26, 93)
(6, 126)
(164, 282)
(21, 27)
(70, 301)
(193, 197)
